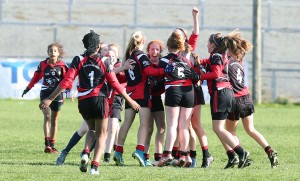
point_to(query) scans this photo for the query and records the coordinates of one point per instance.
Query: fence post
(55, 33)
(135, 13)
(269, 13)
(70, 3)
(124, 39)
(262, 44)
(202, 13)
(273, 85)
(256, 68)
(1, 10)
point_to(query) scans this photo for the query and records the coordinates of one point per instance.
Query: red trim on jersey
(37, 76)
(216, 72)
(244, 92)
(69, 78)
(109, 76)
(151, 71)
(215, 102)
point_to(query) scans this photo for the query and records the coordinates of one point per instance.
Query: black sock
(193, 154)
(183, 153)
(157, 156)
(205, 153)
(268, 149)
(166, 153)
(230, 154)
(73, 141)
(239, 150)
(175, 152)
(106, 155)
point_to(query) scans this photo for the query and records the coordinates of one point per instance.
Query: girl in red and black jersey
(138, 89)
(115, 101)
(220, 90)
(157, 88)
(52, 70)
(244, 107)
(76, 137)
(179, 101)
(92, 72)
(196, 128)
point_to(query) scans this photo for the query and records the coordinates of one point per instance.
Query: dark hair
(218, 40)
(232, 42)
(90, 42)
(59, 47)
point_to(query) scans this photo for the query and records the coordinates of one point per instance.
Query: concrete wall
(28, 26)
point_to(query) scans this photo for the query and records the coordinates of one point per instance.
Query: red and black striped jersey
(137, 84)
(216, 67)
(52, 75)
(237, 78)
(92, 73)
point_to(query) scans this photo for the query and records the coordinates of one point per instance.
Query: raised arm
(195, 13)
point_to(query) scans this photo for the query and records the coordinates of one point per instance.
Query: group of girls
(179, 75)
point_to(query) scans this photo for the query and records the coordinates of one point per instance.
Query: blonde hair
(136, 40)
(114, 46)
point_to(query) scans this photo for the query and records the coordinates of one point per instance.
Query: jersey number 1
(91, 77)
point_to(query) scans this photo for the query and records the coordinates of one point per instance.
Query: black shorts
(157, 104)
(243, 107)
(93, 107)
(182, 96)
(56, 103)
(116, 107)
(221, 103)
(199, 96)
(141, 102)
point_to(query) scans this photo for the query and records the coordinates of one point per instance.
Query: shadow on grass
(37, 164)
(66, 164)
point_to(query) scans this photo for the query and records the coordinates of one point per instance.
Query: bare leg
(47, 121)
(149, 134)
(128, 120)
(144, 114)
(172, 115)
(54, 124)
(113, 125)
(101, 133)
(184, 122)
(159, 118)
(249, 128)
